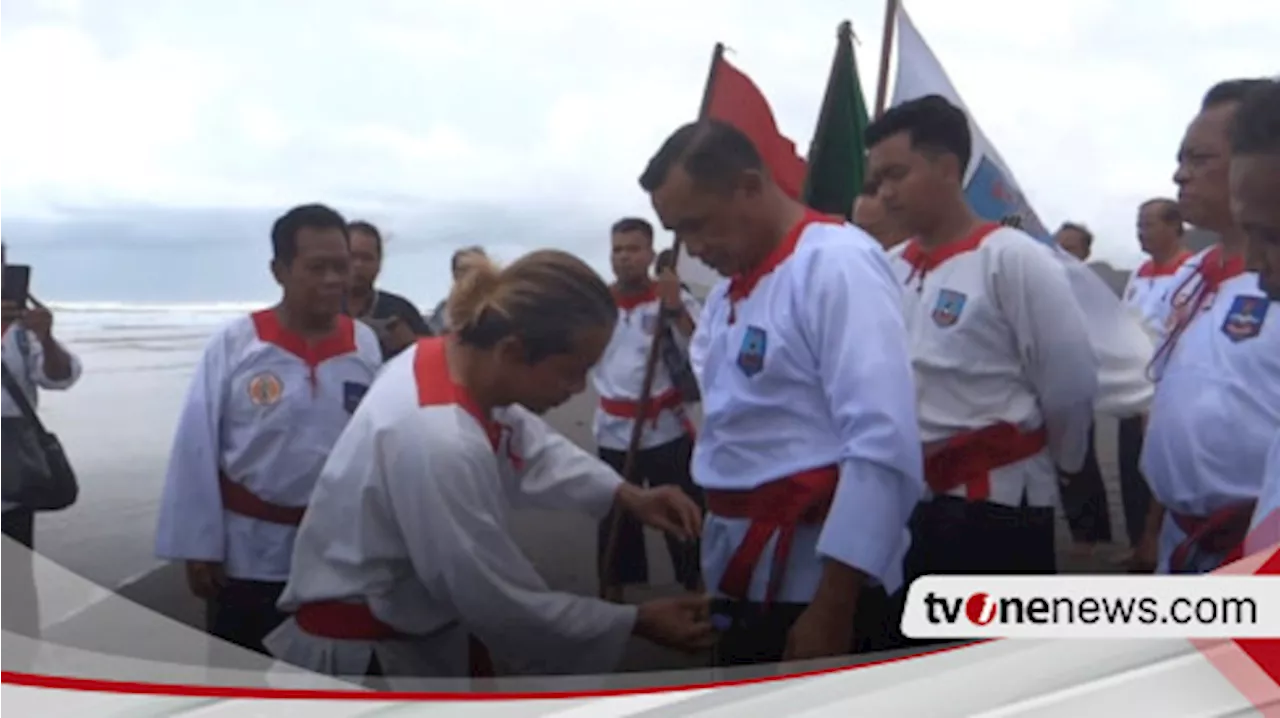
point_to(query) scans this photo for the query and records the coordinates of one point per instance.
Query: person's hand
(679, 622)
(39, 320)
(205, 578)
(669, 290)
(1144, 556)
(12, 312)
(820, 632)
(666, 508)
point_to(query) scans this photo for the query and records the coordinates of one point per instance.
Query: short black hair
(284, 233)
(714, 153)
(473, 249)
(1229, 91)
(365, 227)
(666, 258)
(633, 224)
(1170, 212)
(1256, 126)
(1081, 230)
(933, 124)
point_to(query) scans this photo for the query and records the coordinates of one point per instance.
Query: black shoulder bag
(37, 474)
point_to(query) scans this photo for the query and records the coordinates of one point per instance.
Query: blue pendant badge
(751, 356)
(1244, 319)
(950, 304)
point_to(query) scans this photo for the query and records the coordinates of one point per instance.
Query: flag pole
(650, 370)
(886, 51)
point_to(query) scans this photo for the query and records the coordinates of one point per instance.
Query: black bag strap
(19, 397)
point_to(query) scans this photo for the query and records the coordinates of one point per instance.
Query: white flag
(1122, 344)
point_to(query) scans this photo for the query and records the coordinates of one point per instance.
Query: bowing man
(1217, 405)
(404, 564)
(269, 398)
(808, 454)
(1006, 373)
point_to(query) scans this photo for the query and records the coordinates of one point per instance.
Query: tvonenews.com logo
(1093, 606)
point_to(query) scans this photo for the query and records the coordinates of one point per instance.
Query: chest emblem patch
(947, 310)
(265, 389)
(755, 342)
(1244, 319)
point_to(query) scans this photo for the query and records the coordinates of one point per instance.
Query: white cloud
(559, 103)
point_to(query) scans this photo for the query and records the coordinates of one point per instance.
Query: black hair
(458, 255)
(284, 233)
(1170, 212)
(1229, 91)
(712, 152)
(933, 124)
(1256, 125)
(365, 227)
(633, 224)
(666, 259)
(1081, 230)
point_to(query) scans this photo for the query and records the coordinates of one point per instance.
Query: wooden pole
(886, 52)
(609, 554)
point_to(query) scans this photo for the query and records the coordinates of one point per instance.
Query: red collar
(1214, 270)
(437, 388)
(923, 260)
(741, 286)
(627, 302)
(1150, 269)
(340, 341)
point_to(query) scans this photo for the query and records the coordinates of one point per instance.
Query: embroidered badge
(1244, 319)
(265, 389)
(948, 308)
(751, 356)
(649, 322)
(352, 393)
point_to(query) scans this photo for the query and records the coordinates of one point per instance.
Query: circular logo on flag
(265, 389)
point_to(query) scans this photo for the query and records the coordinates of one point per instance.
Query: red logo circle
(980, 609)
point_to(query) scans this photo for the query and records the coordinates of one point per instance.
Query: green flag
(838, 153)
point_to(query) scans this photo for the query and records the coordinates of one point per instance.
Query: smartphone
(15, 284)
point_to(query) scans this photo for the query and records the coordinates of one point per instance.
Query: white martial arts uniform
(809, 440)
(405, 550)
(1003, 365)
(1149, 287)
(24, 357)
(264, 409)
(619, 379)
(1264, 529)
(1216, 410)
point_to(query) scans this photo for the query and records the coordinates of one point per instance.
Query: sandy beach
(117, 427)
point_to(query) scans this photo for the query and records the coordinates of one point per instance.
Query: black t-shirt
(387, 305)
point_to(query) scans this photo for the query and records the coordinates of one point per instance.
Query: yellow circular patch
(265, 389)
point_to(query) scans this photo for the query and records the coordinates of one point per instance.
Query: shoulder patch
(1245, 317)
(755, 343)
(947, 310)
(265, 389)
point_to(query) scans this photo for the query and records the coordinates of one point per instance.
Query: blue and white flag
(1117, 332)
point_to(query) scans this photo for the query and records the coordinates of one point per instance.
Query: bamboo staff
(886, 52)
(609, 554)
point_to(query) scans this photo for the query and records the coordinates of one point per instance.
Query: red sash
(967, 459)
(1222, 531)
(239, 500)
(355, 622)
(669, 400)
(776, 507)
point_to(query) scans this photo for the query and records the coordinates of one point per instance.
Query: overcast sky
(392, 105)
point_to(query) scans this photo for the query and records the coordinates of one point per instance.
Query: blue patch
(352, 393)
(950, 304)
(649, 322)
(751, 356)
(1244, 319)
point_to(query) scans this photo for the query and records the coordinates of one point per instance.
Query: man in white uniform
(1160, 234)
(1005, 371)
(666, 441)
(405, 565)
(808, 453)
(1217, 403)
(35, 360)
(270, 397)
(1255, 203)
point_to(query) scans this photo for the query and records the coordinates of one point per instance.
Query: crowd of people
(910, 393)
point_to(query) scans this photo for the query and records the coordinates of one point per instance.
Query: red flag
(735, 99)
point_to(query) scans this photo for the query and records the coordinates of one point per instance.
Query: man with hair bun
(404, 565)
(808, 454)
